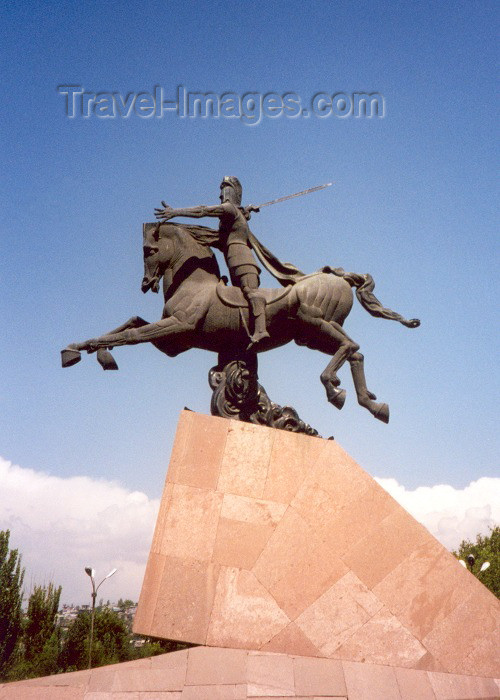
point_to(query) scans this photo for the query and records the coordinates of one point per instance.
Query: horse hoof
(338, 399)
(70, 357)
(106, 359)
(382, 413)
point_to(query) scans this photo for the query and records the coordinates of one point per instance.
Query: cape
(285, 273)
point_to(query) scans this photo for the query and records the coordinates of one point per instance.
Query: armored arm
(192, 212)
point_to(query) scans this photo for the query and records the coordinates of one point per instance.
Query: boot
(257, 304)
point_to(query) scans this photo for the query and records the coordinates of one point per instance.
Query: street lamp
(91, 573)
(471, 560)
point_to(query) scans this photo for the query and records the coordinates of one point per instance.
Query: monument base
(278, 542)
(269, 541)
(203, 673)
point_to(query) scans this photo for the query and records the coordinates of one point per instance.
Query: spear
(291, 196)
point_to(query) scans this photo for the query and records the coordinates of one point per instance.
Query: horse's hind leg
(329, 377)
(329, 337)
(365, 397)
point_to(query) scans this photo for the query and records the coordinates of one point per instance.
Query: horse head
(172, 249)
(151, 254)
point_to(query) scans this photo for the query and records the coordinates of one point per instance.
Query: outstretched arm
(192, 212)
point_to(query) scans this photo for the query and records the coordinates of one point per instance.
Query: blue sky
(413, 204)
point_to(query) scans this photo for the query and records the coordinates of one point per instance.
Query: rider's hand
(247, 211)
(164, 214)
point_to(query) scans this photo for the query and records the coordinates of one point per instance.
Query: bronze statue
(200, 311)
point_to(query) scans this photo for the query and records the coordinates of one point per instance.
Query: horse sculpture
(200, 311)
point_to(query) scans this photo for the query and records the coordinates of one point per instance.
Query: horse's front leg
(134, 322)
(71, 355)
(145, 333)
(104, 357)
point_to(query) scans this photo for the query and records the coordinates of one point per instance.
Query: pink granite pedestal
(210, 673)
(272, 541)
(301, 577)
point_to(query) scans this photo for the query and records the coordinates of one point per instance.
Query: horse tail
(365, 285)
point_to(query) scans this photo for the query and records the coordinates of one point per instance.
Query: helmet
(231, 181)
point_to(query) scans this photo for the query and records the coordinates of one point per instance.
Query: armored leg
(257, 304)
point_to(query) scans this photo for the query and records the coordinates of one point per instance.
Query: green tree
(485, 548)
(41, 635)
(153, 646)
(47, 663)
(110, 641)
(41, 619)
(11, 597)
(38, 654)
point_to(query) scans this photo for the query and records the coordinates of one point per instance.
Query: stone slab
(279, 542)
(215, 673)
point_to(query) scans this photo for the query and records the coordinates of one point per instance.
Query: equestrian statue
(241, 320)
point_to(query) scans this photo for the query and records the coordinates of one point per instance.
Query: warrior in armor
(235, 240)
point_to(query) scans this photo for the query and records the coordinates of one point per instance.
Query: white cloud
(450, 514)
(60, 525)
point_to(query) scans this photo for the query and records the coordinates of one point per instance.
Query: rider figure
(234, 243)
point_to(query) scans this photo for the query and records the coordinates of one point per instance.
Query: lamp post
(91, 573)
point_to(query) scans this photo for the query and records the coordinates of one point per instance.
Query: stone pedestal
(277, 542)
(210, 673)
(269, 541)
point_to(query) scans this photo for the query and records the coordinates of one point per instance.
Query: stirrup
(256, 338)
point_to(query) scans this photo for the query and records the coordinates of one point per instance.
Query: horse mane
(192, 248)
(201, 234)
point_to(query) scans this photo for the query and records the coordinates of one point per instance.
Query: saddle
(233, 296)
